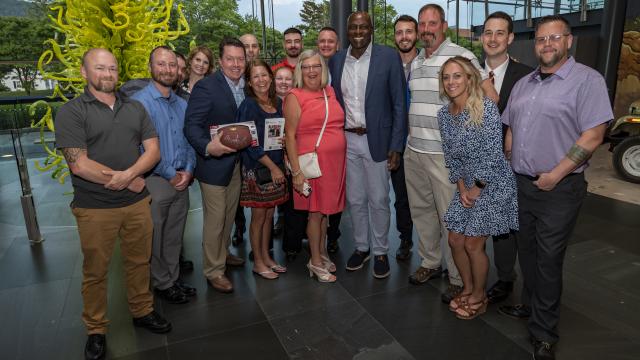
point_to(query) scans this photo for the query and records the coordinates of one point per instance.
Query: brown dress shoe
(233, 260)
(221, 284)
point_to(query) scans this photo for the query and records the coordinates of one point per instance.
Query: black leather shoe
(172, 295)
(404, 250)
(96, 347)
(332, 246)
(238, 237)
(185, 265)
(499, 291)
(543, 351)
(519, 311)
(186, 289)
(153, 322)
(291, 256)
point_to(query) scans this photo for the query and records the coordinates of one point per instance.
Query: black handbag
(263, 174)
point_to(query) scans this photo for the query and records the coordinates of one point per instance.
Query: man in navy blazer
(214, 101)
(504, 72)
(370, 85)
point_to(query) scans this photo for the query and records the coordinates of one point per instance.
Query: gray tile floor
(294, 317)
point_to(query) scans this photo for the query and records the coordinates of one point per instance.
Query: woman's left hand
(277, 175)
(470, 196)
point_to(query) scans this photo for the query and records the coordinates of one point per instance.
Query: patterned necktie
(492, 78)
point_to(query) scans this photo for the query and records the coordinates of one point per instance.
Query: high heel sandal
(468, 310)
(321, 273)
(328, 264)
(458, 301)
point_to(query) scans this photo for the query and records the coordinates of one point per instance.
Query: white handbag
(309, 161)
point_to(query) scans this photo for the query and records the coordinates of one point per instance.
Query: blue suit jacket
(211, 103)
(385, 99)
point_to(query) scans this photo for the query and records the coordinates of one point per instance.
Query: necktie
(491, 77)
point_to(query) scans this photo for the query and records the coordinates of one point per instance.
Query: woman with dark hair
(259, 165)
(200, 63)
(485, 202)
(313, 116)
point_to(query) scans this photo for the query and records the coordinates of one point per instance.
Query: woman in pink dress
(304, 112)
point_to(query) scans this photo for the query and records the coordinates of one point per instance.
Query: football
(236, 136)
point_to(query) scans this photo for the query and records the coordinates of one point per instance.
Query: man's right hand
(216, 148)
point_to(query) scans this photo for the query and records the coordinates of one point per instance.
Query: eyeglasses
(316, 67)
(554, 38)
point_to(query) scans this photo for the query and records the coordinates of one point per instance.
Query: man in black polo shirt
(99, 134)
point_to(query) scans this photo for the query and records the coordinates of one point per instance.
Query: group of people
(471, 150)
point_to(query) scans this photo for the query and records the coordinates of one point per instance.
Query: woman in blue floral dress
(485, 202)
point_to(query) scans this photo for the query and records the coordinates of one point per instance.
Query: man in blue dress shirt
(170, 178)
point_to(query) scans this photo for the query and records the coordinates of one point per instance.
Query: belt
(358, 131)
(534, 178)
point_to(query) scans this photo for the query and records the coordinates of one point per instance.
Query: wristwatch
(479, 184)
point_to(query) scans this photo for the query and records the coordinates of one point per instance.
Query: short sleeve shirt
(548, 116)
(112, 137)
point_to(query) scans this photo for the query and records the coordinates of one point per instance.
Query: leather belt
(358, 131)
(534, 178)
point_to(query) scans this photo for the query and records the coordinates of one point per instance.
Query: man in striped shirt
(427, 178)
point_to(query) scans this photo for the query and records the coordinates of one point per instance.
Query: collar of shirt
(500, 69)
(88, 97)
(366, 54)
(235, 87)
(156, 94)
(423, 52)
(563, 72)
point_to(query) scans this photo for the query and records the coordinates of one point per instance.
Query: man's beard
(161, 79)
(408, 50)
(555, 58)
(295, 54)
(428, 39)
(105, 85)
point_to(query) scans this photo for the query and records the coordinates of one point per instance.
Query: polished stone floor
(294, 317)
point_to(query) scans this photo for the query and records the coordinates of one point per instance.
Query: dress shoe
(452, 292)
(187, 289)
(291, 256)
(221, 284)
(233, 260)
(518, 312)
(153, 322)
(499, 291)
(404, 250)
(96, 347)
(185, 265)
(172, 295)
(332, 246)
(238, 237)
(543, 351)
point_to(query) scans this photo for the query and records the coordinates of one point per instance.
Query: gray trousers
(505, 252)
(169, 209)
(367, 196)
(547, 219)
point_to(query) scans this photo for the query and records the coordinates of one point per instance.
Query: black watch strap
(480, 184)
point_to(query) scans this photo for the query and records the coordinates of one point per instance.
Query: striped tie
(492, 78)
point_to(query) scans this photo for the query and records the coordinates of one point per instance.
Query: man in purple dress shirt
(557, 117)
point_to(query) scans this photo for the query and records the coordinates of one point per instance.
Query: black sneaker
(543, 351)
(381, 266)
(153, 322)
(356, 260)
(96, 347)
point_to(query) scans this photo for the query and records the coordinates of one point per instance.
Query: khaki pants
(219, 204)
(99, 229)
(430, 193)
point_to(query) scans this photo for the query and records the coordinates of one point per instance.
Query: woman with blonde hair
(200, 63)
(313, 117)
(485, 202)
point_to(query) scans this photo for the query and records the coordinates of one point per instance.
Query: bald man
(251, 46)
(110, 200)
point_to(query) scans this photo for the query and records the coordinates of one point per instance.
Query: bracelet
(296, 173)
